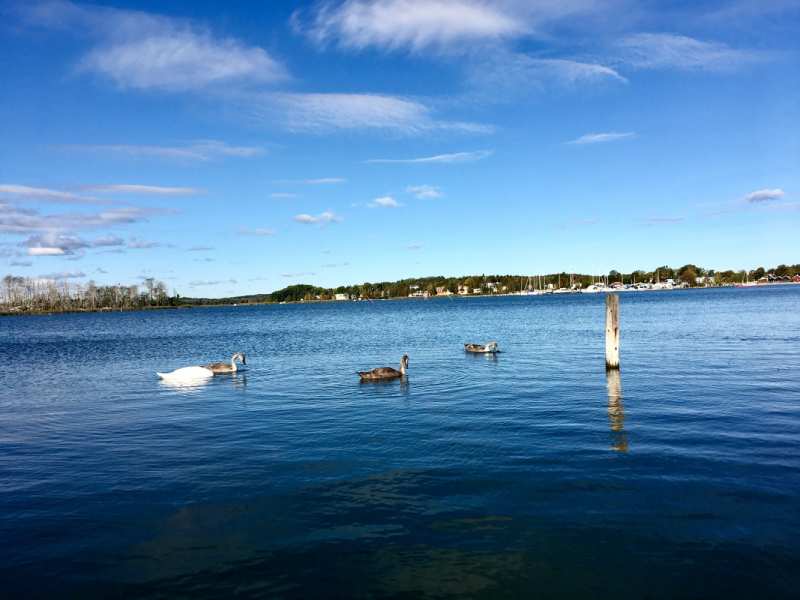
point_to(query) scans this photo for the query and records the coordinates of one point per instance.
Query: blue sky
(239, 147)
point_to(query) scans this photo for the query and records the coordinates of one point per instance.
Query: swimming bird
(222, 368)
(490, 347)
(385, 372)
(188, 373)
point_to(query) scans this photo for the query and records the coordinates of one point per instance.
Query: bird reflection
(618, 436)
(239, 380)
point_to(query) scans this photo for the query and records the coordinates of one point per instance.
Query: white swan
(188, 373)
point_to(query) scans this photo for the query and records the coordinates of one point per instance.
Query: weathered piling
(612, 331)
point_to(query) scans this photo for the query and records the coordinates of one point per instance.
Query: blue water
(529, 474)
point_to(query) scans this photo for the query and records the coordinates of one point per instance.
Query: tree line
(25, 294)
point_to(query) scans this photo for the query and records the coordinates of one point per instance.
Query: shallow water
(527, 474)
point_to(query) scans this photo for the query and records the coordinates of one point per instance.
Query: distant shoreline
(21, 313)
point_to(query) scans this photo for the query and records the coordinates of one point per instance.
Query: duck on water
(478, 349)
(385, 372)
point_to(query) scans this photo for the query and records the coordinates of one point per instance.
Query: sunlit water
(529, 474)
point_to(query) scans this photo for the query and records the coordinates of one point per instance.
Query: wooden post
(612, 331)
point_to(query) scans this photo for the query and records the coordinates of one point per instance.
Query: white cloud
(202, 151)
(142, 244)
(25, 193)
(141, 50)
(53, 244)
(441, 25)
(198, 282)
(71, 274)
(415, 246)
(328, 113)
(393, 24)
(108, 240)
(148, 190)
(78, 255)
(458, 157)
(320, 220)
(663, 50)
(760, 196)
(248, 231)
(594, 138)
(424, 192)
(385, 201)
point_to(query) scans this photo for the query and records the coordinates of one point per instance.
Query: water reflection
(619, 439)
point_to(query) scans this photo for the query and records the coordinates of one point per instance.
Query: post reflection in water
(619, 439)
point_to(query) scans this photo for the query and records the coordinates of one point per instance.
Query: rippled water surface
(528, 474)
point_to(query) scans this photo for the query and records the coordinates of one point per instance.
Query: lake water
(528, 474)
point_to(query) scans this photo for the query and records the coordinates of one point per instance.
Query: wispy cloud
(319, 220)
(309, 181)
(198, 282)
(200, 248)
(334, 112)
(54, 244)
(248, 231)
(326, 251)
(664, 219)
(664, 50)
(142, 244)
(438, 25)
(595, 138)
(424, 192)
(385, 201)
(71, 274)
(585, 222)
(24, 193)
(335, 265)
(301, 274)
(147, 51)
(760, 196)
(145, 190)
(283, 195)
(203, 151)
(100, 270)
(21, 263)
(415, 246)
(458, 157)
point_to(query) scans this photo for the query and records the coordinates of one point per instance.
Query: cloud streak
(596, 138)
(424, 192)
(144, 190)
(415, 246)
(458, 157)
(664, 50)
(248, 231)
(204, 151)
(760, 196)
(319, 220)
(22, 193)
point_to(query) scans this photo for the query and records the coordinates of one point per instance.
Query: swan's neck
(233, 364)
(403, 367)
(489, 347)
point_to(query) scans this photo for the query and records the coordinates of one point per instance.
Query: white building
(341, 297)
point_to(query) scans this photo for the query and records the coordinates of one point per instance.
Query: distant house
(477, 291)
(796, 279)
(443, 291)
(413, 287)
(463, 289)
(341, 297)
